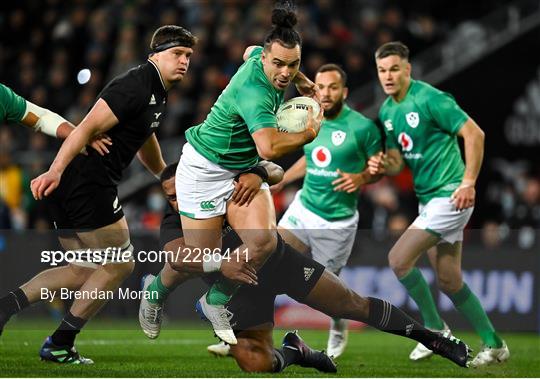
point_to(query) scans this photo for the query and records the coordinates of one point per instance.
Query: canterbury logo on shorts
(207, 205)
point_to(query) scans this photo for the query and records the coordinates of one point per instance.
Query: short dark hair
(168, 172)
(334, 67)
(283, 22)
(169, 35)
(392, 48)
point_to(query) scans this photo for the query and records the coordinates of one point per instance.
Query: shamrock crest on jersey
(338, 137)
(412, 119)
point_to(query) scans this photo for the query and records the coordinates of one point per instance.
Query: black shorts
(286, 272)
(86, 198)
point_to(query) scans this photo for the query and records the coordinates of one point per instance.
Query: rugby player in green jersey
(240, 130)
(422, 124)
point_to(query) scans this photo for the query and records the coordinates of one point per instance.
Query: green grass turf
(121, 350)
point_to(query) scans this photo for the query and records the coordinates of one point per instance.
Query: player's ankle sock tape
(470, 307)
(221, 292)
(388, 318)
(285, 357)
(157, 287)
(68, 330)
(13, 302)
(418, 289)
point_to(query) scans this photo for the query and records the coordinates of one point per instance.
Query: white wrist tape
(48, 122)
(214, 263)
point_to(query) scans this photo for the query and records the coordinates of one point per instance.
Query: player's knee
(120, 271)
(449, 284)
(80, 273)
(399, 266)
(253, 356)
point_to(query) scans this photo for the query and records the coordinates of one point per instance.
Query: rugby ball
(292, 115)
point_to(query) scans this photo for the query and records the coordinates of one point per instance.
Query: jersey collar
(159, 74)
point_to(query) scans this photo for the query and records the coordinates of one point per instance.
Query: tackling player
(251, 309)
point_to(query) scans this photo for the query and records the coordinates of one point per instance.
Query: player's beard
(334, 111)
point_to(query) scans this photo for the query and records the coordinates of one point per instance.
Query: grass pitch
(121, 350)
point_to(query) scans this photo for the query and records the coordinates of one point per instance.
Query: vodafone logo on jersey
(405, 141)
(321, 156)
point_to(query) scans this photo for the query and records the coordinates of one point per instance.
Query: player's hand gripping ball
(292, 115)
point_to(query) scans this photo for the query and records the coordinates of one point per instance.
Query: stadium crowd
(109, 37)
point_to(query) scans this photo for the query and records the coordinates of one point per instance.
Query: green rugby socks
(469, 306)
(419, 290)
(157, 288)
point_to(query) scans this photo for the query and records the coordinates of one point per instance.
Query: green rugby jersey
(344, 143)
(424, 127)
(247, 104)
(12, 106)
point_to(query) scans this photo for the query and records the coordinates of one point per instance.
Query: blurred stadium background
(484, 52)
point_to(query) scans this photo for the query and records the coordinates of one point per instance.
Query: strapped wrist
(213, 264)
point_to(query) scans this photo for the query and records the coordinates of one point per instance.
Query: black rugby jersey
(138, 99)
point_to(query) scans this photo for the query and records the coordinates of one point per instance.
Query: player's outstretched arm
(50, 123)
(150, 156)
(97, 121)
(473, 138)
(45, 121)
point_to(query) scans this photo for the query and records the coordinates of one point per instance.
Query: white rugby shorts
(203, 187)
(331, 242)
(440, 217)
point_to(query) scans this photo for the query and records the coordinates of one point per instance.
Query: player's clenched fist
(44, 184)
(376, 164)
